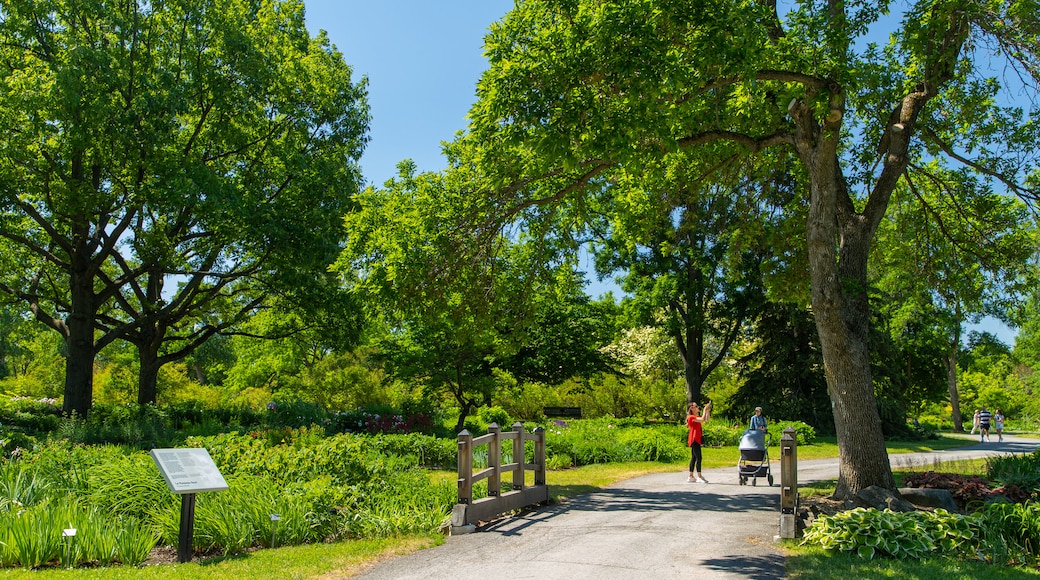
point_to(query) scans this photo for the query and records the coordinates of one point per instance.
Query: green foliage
(498, 415)
(19, 487)
(237, 187)
(1022, 471)
(913, 535)
(33, 537)
(609, 440)
(783, 373)
(320, 488)
(1010, 534)
(805, 434)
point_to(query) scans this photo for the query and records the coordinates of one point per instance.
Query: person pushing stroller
(758, 421)
(754, 451)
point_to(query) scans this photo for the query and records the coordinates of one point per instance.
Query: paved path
(648, 528)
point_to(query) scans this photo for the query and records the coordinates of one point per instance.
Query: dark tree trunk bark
(79, 364)
(148, 377)
(841, 309)
(838, 245)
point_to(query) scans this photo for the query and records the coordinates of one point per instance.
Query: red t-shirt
(695, 430)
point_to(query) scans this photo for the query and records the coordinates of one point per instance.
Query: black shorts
(984, 426)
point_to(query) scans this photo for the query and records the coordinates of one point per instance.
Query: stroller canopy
(753, 439)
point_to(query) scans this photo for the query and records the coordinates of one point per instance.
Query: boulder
(881, 498)
(930, 498)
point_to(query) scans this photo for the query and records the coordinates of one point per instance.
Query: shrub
(497, 415)
(652, 445)
(718, 434)
(805, 433)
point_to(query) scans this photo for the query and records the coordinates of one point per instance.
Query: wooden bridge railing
(467, 511)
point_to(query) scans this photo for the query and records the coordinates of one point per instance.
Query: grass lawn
(324, 561)
(815, 564)
(343, 559)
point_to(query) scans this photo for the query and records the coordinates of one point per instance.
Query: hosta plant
(870, 533)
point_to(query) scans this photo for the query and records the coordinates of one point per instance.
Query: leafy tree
(565, 339)
(581, 94)
(1027, 340)
(952, 260)
(912, 348)
(447, 358)
(455, 323)
(210, 144)
(690, 261)
(783, 373)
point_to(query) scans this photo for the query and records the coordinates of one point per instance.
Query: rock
(932, 498)
(898, 504)
(996, 498)
(881, 498)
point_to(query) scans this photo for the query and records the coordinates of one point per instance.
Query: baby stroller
(754, 457)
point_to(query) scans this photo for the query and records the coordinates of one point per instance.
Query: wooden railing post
(519, 455)
(495, 460)
(539, 456)
(465, 467)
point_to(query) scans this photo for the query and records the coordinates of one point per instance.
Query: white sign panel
(189, 470)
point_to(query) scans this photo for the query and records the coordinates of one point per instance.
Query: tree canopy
(581, 94)
(210, 145)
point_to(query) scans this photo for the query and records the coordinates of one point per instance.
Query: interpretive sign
(189, 470)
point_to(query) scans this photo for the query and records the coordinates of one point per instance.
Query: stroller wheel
(769, 478)
(754, 481)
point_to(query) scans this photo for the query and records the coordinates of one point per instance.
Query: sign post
(188, 471)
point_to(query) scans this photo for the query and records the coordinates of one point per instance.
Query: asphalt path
(651, 527)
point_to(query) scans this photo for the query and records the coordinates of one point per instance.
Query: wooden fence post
(465, 467)
(495, 460)
(519, 455)
(539, 456)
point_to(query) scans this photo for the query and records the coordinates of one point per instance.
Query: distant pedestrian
(975, 422)
(758, 421)
(984, 419)
(695, 422)
(998, 424)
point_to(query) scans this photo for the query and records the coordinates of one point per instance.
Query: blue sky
(423, 59)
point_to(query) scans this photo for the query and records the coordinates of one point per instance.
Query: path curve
(647, 528)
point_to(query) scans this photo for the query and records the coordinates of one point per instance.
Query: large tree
(689, 261)
(582, 92)
(206, 143)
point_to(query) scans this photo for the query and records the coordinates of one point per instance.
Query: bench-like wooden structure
(467, 511)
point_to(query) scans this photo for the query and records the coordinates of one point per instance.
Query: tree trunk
(149, 340)
(842, 314)
(951, 381)
(79, 364)
(148, 376)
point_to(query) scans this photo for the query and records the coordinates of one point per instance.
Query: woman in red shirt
(695, 422)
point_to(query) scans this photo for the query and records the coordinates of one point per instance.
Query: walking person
(695, 422)
(998, 424)
(758, 421)
(975, 422)
(984, 419)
